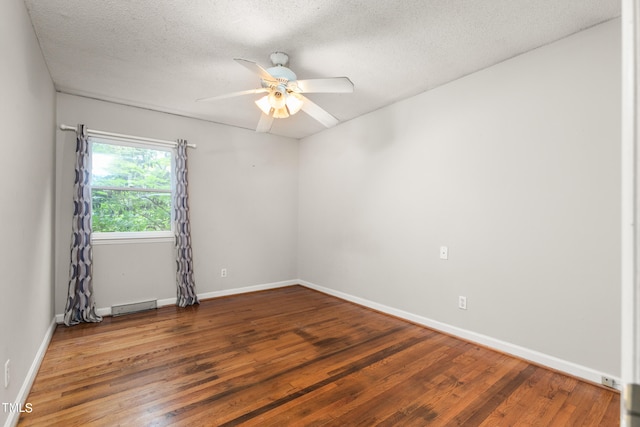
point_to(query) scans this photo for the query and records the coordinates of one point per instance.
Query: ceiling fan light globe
(280, 113)
(293, 104)
(277, 99)
(264, 105)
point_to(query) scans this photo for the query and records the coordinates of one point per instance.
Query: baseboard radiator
(122, 309)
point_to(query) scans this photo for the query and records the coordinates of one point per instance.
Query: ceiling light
(278, 97)
(294, 104)
(280, 113)
(279, 104)
(264, 105)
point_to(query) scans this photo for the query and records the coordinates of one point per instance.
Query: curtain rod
(121, 135)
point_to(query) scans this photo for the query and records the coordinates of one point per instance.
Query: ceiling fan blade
(330, 85)
(255, 68)
(315, 111)
(232, 94)
(264, 125)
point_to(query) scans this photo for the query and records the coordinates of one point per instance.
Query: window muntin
(131, 189)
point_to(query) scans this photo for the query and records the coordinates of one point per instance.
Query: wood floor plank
(294, 357)
(359, 388)
(543, 399)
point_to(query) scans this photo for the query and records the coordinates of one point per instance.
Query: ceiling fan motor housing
(279, 70)
(282, 74)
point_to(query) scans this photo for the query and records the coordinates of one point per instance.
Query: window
(131, 189)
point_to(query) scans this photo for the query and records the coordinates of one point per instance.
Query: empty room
(319, 213)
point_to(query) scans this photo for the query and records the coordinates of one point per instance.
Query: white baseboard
(536, 357)
(244, 290)
(23, 393)
(106, 311)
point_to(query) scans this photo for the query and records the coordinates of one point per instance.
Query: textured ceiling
(165, 54)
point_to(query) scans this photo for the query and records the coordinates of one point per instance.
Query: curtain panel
(186, 288)
(80, 306)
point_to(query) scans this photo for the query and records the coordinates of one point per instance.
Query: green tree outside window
(130, 188)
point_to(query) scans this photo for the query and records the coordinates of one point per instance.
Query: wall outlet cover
(608, 381)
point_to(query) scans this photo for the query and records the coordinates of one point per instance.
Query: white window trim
(118, 238)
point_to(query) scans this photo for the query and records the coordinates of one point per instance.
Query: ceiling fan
(284, 92)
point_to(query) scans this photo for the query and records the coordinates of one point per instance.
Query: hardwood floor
(293, 356)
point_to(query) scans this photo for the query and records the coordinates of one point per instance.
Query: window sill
(128, 238)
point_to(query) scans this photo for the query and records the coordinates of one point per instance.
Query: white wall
(243, 200)
(27, 112)
(516, 169)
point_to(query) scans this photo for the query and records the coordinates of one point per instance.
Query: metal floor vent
(119, 310)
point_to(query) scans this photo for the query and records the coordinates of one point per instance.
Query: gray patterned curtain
(80, 305)
(184, 260)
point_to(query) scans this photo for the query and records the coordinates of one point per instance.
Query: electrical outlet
(444, 252)
(608, 381)
(223, 272)
(462, 303)
(7, 375)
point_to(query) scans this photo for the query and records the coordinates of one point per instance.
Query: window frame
(124, 237)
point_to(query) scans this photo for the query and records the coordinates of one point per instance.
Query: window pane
(130, 167)
(127, 211)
